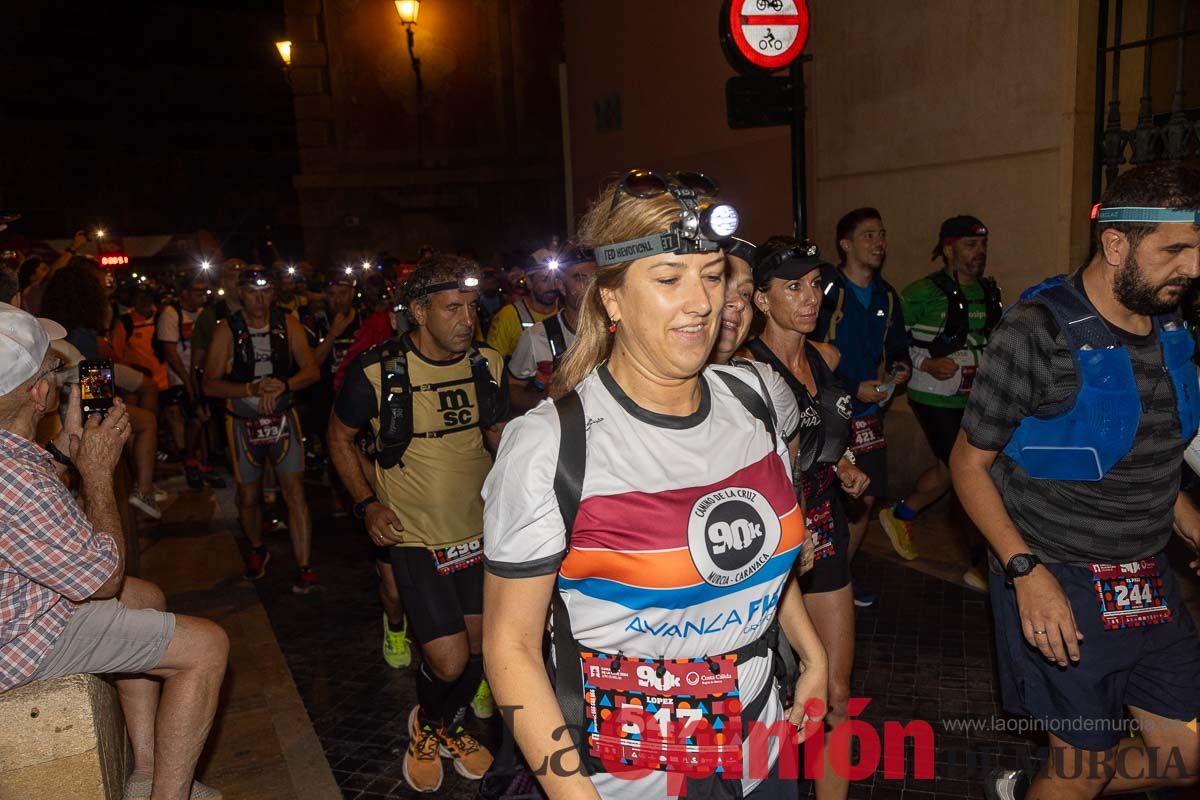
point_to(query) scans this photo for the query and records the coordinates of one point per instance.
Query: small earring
(613, 327)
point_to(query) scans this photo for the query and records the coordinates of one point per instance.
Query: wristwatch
(1021, 565)
(360, 508)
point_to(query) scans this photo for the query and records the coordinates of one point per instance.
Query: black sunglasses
(644, 184)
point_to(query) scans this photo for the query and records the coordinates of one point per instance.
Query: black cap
(740, 248)
(787, 261)
(957, 228)
(256, 278)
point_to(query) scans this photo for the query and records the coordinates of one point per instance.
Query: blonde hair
(633, 218)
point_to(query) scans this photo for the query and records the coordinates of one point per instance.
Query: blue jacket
(864, 336)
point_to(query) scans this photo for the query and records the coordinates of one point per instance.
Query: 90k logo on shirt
(732, 533)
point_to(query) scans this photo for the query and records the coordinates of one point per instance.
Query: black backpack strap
(753, 402)
(766, 393)
(995, 306)
(568, 489)
(1081, 325)
(572, 458)
(555, 336)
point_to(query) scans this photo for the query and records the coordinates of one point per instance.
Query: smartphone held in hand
(96, 390)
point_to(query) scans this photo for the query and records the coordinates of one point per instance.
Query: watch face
(1020, 565)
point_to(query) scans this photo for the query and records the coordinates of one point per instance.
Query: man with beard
(861, 316)
(950, 314)
(542, 346)
(1069, 463)
(525, 312)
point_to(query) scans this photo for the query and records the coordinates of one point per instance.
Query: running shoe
(422, 765)
(482, 705)
(159, 494)
(306, 581)
(191, 474)
(862, 597)
(899, 533)
(1006, 784)
(256, 562)
(397, 653)
(976, 579)
(471, 759)
(146, 505)
(139, 789)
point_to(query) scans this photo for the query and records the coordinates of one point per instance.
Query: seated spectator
(77, 299)
(65, 605)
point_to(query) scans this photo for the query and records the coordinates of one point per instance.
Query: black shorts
(825, 519)
(940, 426)
(435, 604)
(1153, 667)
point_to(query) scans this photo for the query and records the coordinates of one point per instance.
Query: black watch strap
(360, 508)
(59, 455)
(1021, 565)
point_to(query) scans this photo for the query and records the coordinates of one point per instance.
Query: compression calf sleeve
(432, 692)
(464, 688)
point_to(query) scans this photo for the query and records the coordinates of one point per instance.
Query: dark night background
(148, 118)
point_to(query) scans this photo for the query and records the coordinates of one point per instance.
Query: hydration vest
(396, 400)
(282, 365)
(568, 677)
(523, 315)
(1084, 436)
(824, 442)
(556, 337)
(954, 332)
(833, 296)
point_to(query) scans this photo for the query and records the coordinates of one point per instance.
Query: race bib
(681, 715)
(819, 521)
(266, 430)
(967, 378)
(866, 434)
(1131, 595)
(817, 481)
(447, 560)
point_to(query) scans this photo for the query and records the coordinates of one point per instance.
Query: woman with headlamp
(651, 508)
(788, 292)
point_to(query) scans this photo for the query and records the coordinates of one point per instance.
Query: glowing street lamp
(100, 233)
(408, 11)
(285, 52)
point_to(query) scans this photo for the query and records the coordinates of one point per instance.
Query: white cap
(24, 340)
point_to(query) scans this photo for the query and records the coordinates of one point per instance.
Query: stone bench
(62, 739)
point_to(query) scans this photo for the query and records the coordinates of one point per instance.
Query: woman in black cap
(788, 292)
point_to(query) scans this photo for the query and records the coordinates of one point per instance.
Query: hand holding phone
(96, 388)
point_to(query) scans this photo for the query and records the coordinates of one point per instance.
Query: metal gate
(1168, 135)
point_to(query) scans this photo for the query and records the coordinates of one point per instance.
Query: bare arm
(491, 436)
(309, 372)
(514, 620)
(97, 452)
(383, 526)
(813, 682)
(1047, 618)
(175, 362)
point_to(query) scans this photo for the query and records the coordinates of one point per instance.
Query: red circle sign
(769, 33)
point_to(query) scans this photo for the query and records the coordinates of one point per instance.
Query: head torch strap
(656, 244)
(464, 284)
(1143, 214)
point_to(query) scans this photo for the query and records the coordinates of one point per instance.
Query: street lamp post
(408, 11)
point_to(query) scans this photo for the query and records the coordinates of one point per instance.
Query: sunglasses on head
(644, 184)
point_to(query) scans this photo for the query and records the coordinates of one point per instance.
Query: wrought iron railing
(1170, 136)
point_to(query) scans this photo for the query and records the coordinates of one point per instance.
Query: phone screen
(96, 386)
